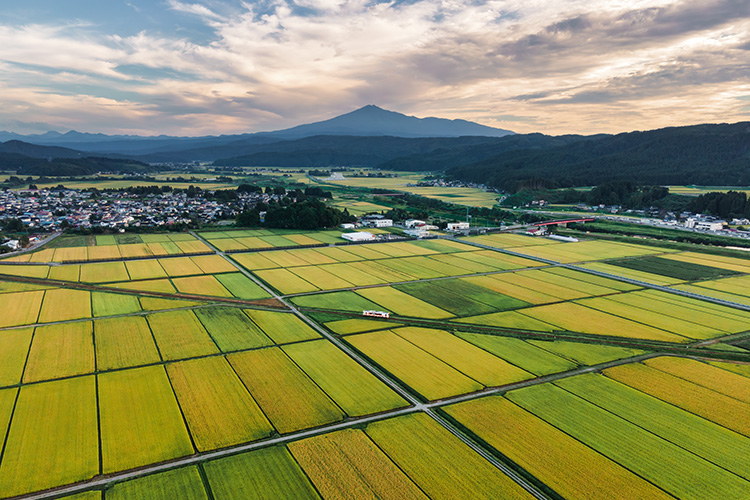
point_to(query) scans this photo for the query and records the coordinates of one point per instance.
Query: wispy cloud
(572, 65)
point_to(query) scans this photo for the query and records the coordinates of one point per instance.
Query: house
(410, 223)
(417, 233)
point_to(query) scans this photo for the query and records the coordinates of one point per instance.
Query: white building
(347, 225)
(457, 226)
(704, 225)
(358, 236)
(410, 223)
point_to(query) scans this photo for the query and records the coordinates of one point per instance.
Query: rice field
(61, 350)
(438, 462)
(61, 416)
(280, 327)
(184, 483)
(62, 304)
(218, 409)
(424, 373)
(287, 396)
(657, 460)
(347, 464)
(540, 448)
(269, 473)
(21, 308)
(702, 401)
(354, 389)
(111, 385)
(124, 342)
(14, 347)
(180, 335)
(231, 329)
(470, 360)
(140, 419)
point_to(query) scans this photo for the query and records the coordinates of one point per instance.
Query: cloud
(572, 65)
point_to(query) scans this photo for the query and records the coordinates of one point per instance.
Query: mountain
(374, 121)
(36, 151)
(367, 121)
(711, 155)
(31, 159)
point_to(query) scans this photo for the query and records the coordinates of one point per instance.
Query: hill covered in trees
(700, 154)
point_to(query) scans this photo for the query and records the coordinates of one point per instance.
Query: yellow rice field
(288, 397)
(347, 464)
(218, 409)
(59, 351)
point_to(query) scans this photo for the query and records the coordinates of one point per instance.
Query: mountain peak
(371, 120)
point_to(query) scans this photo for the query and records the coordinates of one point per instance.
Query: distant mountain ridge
(367, 121)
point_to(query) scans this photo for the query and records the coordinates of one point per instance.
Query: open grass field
(140, 419)
(416, 368)
(184, 483)
(269, 473)
(347, 464)
(60, 351)
(231, 329)
(180, 335)
(62, 304)
(217, 407)
(711, 405)
(14, 348)
(465, 357)
(282, 328)
(661, 462)
(540, 448)
(60, 416)
(438, 462)
(21, 308)
(289, 399)
(124, 342)
(354, 389)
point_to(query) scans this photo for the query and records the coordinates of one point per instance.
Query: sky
(209, 67)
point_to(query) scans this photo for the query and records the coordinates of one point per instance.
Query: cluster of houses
(55, 209)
